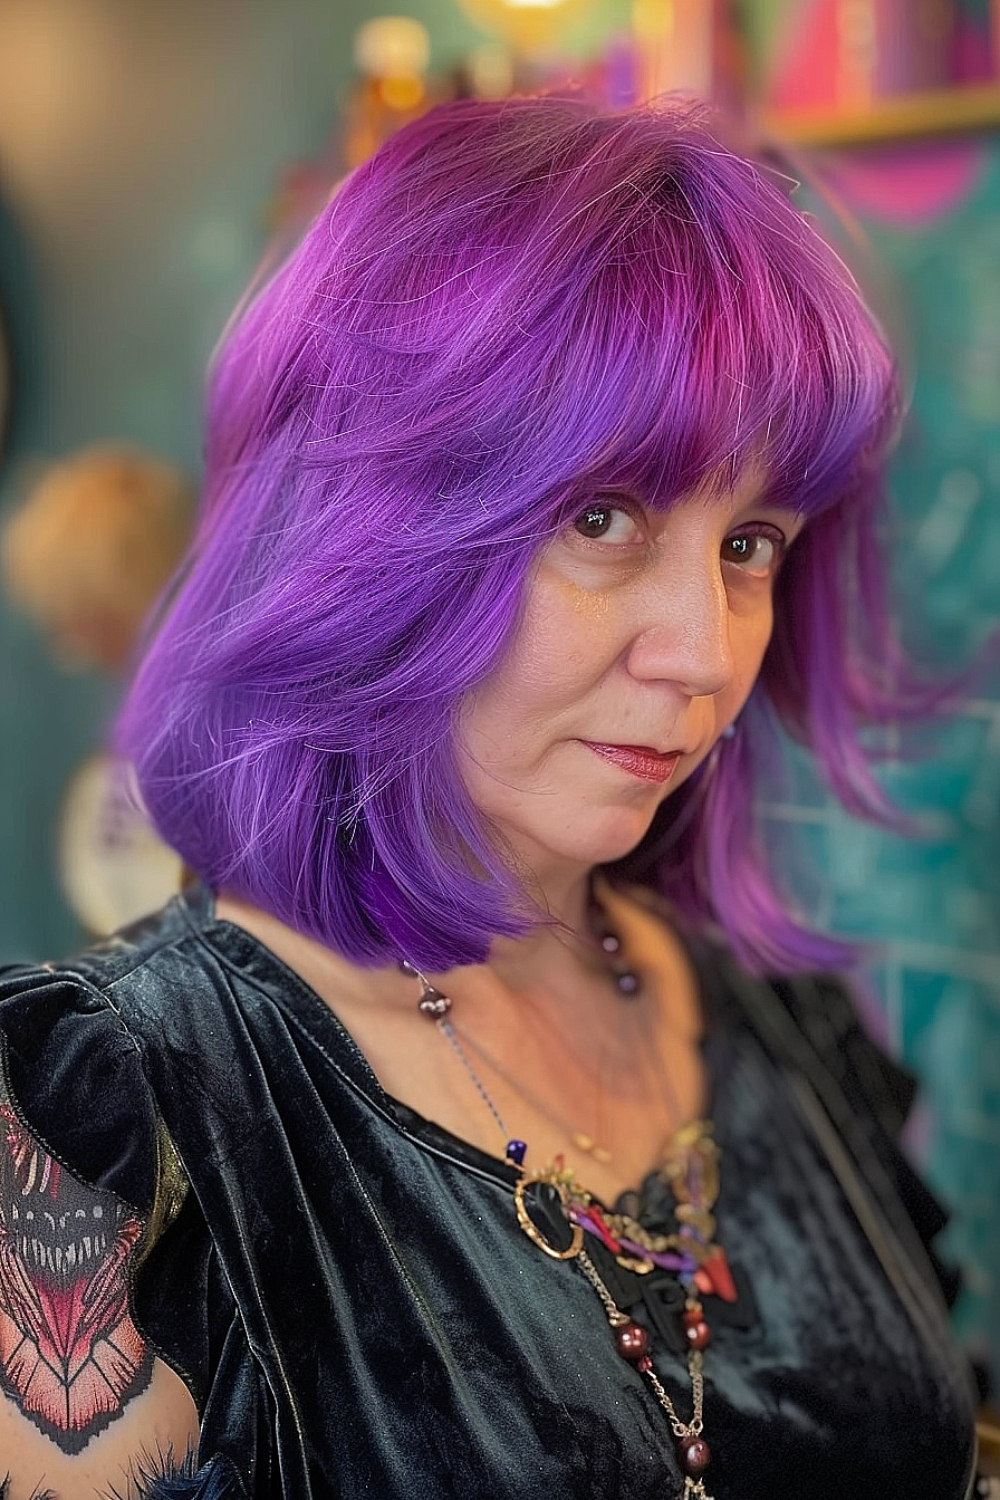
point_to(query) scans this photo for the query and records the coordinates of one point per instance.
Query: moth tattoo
(70, 1355)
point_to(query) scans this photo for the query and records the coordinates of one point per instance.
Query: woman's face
(641, 637)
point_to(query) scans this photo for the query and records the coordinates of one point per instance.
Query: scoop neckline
(199, 903)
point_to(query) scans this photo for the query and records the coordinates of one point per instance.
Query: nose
(683, 635)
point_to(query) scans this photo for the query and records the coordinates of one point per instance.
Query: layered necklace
(614, 1251)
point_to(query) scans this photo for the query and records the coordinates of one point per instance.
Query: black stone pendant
(664, 1297)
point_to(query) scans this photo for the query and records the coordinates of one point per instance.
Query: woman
(541, 480)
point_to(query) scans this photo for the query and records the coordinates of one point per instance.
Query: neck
(546, 959)
(549, 957)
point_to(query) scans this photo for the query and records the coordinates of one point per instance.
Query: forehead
(731, 485)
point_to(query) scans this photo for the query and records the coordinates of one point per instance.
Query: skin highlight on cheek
(591, 603)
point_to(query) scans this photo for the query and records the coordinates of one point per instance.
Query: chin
(601, 836)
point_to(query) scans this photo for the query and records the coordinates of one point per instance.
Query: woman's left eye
(757, 551)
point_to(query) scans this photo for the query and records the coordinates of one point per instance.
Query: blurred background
(149, 155)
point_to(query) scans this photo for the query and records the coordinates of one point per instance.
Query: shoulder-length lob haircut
(511, 306)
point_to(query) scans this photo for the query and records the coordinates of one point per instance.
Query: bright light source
(392, 47)
(528, 26)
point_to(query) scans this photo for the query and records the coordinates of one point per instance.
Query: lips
(638, 760)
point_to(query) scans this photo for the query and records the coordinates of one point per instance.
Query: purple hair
(510, 306)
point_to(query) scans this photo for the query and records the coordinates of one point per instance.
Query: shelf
(937, 112)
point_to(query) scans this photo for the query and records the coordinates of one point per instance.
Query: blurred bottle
(391, 58)
(692, 45)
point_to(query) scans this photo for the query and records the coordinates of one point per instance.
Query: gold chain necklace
(582, 1140)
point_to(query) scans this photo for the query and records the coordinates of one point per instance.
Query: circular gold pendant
(531, 1229)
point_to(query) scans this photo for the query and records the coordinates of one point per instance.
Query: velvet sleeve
(75, 1077)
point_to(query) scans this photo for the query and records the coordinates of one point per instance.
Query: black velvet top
(350, 1300)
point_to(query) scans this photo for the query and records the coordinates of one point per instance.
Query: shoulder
(814, 1025)
(82, 1148)
(82, 1391)
(93, 1028)
(88, 1179)
(813, 1018)
(71, 1061)
(825, 1010)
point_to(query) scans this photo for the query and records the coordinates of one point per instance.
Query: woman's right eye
(603, 522)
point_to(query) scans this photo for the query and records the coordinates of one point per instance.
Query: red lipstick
(638, 760)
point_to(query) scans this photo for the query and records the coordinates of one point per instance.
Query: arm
(87, 1410)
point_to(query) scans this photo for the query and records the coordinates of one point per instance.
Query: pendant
(694, 1489)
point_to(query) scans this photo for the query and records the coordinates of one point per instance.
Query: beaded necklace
(608, 1245)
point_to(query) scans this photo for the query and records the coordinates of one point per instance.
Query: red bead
(694, 1455)
(715, 1267)
(694, 1315)
(698, 1335)
(645, 1364)
(632, 1341)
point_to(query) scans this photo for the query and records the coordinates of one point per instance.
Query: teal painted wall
(930, 908)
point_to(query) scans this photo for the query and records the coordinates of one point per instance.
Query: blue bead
(516, 1152)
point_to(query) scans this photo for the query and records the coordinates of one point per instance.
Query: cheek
(562, 625)
(553, 657)
(750, 638)
(751, 649)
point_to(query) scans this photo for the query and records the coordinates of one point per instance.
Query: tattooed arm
(148, 1478)
(86, 1409)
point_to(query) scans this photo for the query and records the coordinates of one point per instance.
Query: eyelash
(754, 531)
